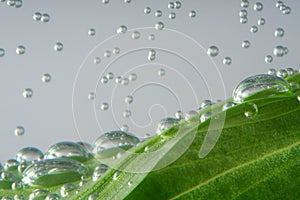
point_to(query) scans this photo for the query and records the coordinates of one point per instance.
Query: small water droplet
(91, 96)
(255, 84)
(279, 4)
(258, 6)
(116, 50)
(161, 72)
(127, 113)
(11, 165)
(294, 86)
(151, 37)
(272, 72)
(104, 80)
(67, 189)
(92, 32)
(151, 55)
(261, 22)
(190, 115)
(129, 183)
(192, 14)
(159, 26)
(290, 71)
(244, 3)
(125, 81)
(20, 50)
(107, 54)
(205, 116)
(97, 60)
(243, 20)
(122, 29)
(37, 16)
(279, 51)
(118, 79)
(147, 10)
(111, 143)
(158, 13)
(125, 128)
(171, 5)
(282, 73)
(253, 29)
(45, 18)
(177, 4)
(132, 77)
(268, 59)
(246, 44)
(287, 10)
(172, 15)
(105, 1)
(251, 110)
(243, 13)
(27, 93)
(228, 105)
(116, 175)
(52, 196)
(227, 61)
(127, 1)
(38, 194)
(279, 32)
(99, 171)
(136, 35)
(213, 51)
(46, 78)
(93, 197)
(58, 46)
(205, 104)
(17, 185)
(2, 52)
(19, 131)
(129, 99)
(165, 124)
(110, 75)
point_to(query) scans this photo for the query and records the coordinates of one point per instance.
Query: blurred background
(72, 70)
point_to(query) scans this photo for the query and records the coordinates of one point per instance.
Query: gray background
(60, 110)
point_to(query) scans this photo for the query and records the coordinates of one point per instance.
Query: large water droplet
(6, 180)
(111, 143)
(165, 124)
(255, 84)
(69, 150)
(99, 171)
(52, 172)
(29, 154)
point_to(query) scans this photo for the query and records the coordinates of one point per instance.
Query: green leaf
(254, 158)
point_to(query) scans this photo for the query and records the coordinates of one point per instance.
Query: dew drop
(255, 84)
(93, 197)
(213, 51)
(20, 50)
(246, 44)
(179, 115)
(161, 72)
(53, 172)
(159, 26)
(129, 99)
(122, 29)
(38, 194)
(69, 150)
(151, 55)
(2, 52)
(53, 196)
(227, 61)
(251, 110)
(99, 171)
(45, 18)
(132, 77)
(279, 32)
(136, 35)
(127, 113)
(29, 154)
(111, 143)
(268, 59)
(19, 131)
(172, 15)
(192, 14)
(147, 10)
(253, 29)
(58, 46)
(158, 13)
(165, 124)
(228, 105)
(205, 116)
(258, 6)
(91, 96)
(190, 115)
(92, 32)
(97, 60)
(67, 189)
(46, 78)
